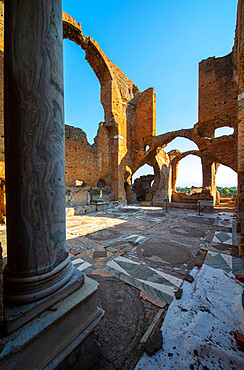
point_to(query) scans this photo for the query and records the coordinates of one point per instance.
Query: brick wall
(145, 119)
(217, 94)
(84, 161)
(2, 174)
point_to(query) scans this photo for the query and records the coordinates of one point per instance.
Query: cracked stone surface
(123, 325)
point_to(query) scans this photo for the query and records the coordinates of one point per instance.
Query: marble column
(38, 261)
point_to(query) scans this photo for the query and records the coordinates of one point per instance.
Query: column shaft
(38, 261)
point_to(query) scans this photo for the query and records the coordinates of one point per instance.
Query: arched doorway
(226, 183)
(142, 181)
(189, 175)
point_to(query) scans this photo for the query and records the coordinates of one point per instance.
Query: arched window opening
(143, 170)
(182, 144)
(221, 131)
(226, 183)
(101, 184)
(142, 181)
(189, 177)
(82, 106)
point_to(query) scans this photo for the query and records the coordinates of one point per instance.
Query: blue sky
(155, 43)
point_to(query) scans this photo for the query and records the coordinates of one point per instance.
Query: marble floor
(222, 237)
(152, 281)
(220, 250)
(148, 248)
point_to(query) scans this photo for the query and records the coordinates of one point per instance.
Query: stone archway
(129, 113)
(174, 164)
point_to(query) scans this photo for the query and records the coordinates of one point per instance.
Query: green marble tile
(89, 259)
(237, 266)
(109, 258)
(89, 269)
(143, 273)
(218, 262)
(235, 237)
(222, 237)
(138, 284)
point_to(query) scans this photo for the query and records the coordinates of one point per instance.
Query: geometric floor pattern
(235, 236)
(134, 238)
(224, 261)
(223, 223)
(109, 262)
(138, 214)
(154, 282)
(222, 237)
(220, 250)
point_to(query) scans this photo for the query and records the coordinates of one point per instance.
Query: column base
(48, 339)
(18, 315)
(23, 290)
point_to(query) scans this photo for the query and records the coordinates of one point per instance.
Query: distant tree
(225, 191)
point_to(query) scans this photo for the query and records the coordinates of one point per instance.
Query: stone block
(48, 339)
(82, 210)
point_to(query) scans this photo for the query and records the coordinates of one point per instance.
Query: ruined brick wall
(217, 94)
(113, 152)
(84, 161)
(145, 117)
(2, 173)
(239, 55)
(119, 97)
(2, 167)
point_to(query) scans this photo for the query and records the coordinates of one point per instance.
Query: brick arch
(94, 54)
(96, 59)
(220, 149)
(180, 156)
(123, 105)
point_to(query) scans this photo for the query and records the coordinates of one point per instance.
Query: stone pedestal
(44, 342)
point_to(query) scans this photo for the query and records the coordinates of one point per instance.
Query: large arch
(129, 113)
(220, 149)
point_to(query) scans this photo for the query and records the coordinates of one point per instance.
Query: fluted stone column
(38, 261)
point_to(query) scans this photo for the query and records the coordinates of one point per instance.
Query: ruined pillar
(2, 165)
(174, 169)
(38, 261)
(161, 187)
(240, 143)
(208, 177)
(2, 190)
